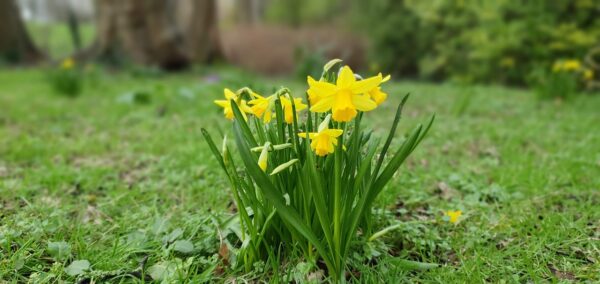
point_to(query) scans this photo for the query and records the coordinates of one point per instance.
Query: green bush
(500, 41)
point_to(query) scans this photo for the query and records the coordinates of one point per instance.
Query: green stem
(337, 208)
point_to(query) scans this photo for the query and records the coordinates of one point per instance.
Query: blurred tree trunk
(295, 11)
(197, 19)
(154, 32)
(250, 12)
(15, 44)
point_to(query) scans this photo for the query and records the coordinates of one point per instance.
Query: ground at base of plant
(118, 185)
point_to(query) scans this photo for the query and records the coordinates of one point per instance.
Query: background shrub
(500, 41)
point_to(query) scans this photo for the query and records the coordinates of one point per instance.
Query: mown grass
(121, 172)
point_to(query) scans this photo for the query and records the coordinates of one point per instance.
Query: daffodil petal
(346, 78)
(366, 85)
(320, 88)
(299, 104)
(363, 102)
(386, 78)
(333, 132)
(324, 104)
(229, 95)
(222, 103)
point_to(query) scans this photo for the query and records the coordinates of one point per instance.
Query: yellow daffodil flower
(288, 111)
(588, 74)
(346, 97)
(507, 62)
(571, 65)
(325, 140)
(453, 216)
(314, 86)
(262, 107)
(566, 65)
(376, 94)
(68, 63)
(264, 156)
(226, 105)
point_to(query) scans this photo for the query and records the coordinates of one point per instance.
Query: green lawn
(115, 181)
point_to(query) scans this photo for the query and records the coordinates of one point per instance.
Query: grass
(122, 178)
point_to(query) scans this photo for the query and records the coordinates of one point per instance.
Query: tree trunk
(15, 44)
(250, 12)
(198, 21)
(170, 34)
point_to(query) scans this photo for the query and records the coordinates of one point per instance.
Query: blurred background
(513, 42)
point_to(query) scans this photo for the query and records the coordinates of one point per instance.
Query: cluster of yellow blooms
(343, 100)
(573, 66)
(67, 64)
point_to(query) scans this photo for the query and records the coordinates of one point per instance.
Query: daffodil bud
(225, 151)
(284, 166)
(275, 147)
(263, 158)
(325, 124)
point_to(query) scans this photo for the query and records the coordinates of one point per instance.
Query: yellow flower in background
(288, 110)
(324, 141)
(571, 65)
(507, 62)
(557, 66)
(68, 63)
(376, 94)
(262, 107)
(453, 216)
(226, 105)
(345, 98)
(567, 65)
(588, 74)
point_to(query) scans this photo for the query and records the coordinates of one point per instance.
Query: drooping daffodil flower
(226, 104)
(376, 94)
(288, 110)
(262, 107)
(324, 141)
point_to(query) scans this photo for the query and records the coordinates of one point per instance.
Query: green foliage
(479, 41)
(549, 85)
(293, 205)
(308, 63)
(303, 12)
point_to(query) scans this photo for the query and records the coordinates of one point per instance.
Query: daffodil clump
(573, 66)
(66, 78)
(309, 171)
(564, 79)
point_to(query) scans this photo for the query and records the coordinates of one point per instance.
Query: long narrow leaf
(291, 217)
